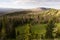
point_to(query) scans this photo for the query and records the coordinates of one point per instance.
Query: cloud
(18, 3)
(29, 3)
(38, 0)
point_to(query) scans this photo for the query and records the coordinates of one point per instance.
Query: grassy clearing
(58, 24)
(37, 28)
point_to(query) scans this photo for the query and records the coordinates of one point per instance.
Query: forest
(29, 25)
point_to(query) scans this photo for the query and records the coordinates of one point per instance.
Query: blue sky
(29, 3)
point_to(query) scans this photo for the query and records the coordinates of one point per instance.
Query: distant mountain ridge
(10, 10)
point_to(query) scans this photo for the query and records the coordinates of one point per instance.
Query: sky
(27, 4)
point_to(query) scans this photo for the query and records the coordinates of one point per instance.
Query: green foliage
(26, 26)
(49, 29)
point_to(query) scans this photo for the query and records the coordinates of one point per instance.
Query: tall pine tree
(49, 29)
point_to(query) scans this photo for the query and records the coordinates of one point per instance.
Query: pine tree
(49, 29)
(28, 32)
(0, 28)
(10, 29)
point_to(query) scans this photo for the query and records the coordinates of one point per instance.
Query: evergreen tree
(28, 32)
(49, 29)
(10, 29)
(0, 27)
